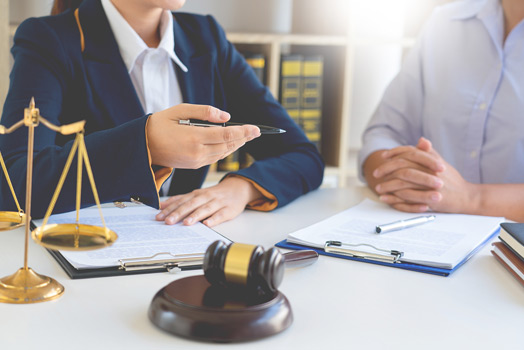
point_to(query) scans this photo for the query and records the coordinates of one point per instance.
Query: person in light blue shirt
(448, 135)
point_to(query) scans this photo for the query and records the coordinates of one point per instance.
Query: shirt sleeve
(160, 175)
(397, 119)
(267, 203)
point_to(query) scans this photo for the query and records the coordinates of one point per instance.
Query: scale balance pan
(191, 308)
(76, 237)
(11, 219)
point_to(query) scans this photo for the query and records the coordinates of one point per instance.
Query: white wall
(234, 15)
(246, 15)
(376, 63)
(381, 28)
(22, 9)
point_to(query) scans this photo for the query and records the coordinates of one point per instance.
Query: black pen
(263, 128)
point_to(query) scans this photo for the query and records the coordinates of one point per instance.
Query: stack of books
(510, 250)
(301, 92)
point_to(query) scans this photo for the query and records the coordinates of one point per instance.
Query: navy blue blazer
(94, 85)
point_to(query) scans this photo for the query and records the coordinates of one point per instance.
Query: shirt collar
(129, 42)
(489, 12)
(471, 9)
(491, 9)
(492, 15)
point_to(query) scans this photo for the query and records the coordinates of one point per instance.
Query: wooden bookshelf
(337, 53)
(316, 28)
(335, 105)
(336, 50)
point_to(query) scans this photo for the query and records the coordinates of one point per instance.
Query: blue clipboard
(398, 264)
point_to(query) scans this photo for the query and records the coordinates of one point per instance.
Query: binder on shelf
(246, 159)
(290, 88)
(310, 114)
(144, 245)
(213, 167)
(257, 61)
(438, 248)
(229, 163)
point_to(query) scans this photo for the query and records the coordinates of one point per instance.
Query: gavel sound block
(225, 310)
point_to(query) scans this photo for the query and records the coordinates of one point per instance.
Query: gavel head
(243, 265)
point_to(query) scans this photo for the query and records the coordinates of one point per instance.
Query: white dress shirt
(461, 87)
(151, 69)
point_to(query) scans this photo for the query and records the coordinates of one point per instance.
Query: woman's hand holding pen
(177, 146)
(416, 179)
(214, 204)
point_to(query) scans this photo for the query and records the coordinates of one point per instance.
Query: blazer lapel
(106, 72)
(196, 87)
(197, 83)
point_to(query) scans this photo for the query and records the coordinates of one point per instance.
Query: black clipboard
(140, 266)
(75, 273)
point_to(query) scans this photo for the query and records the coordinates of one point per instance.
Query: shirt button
(482, 106)
(473, 154)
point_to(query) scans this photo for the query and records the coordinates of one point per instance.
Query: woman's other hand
(213, 205)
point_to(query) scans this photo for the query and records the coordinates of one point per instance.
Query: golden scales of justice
(26, 286)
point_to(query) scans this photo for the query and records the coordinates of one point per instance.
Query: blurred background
(362, 43)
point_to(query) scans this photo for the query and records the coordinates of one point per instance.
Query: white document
(442, 243)
(139, 236)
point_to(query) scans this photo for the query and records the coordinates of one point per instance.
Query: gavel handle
(300, 258)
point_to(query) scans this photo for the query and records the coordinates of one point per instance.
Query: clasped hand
(418, 179)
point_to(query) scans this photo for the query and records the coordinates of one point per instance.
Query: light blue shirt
(461, 87)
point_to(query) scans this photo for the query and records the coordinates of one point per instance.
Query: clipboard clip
(384, 255)
(175, 262)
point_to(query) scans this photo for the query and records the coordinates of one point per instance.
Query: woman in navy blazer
(71, 64)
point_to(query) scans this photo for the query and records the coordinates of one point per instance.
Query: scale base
(191, 308)
(26, 287)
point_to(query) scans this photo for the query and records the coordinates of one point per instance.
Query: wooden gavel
(245, 265)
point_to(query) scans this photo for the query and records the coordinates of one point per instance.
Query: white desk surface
(337, 304)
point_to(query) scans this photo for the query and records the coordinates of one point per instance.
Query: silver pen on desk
(263, 128)
(402, 224)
